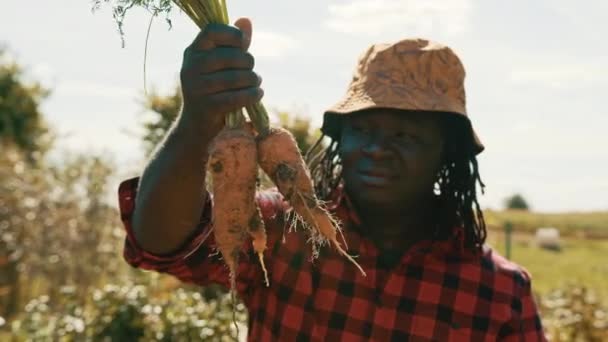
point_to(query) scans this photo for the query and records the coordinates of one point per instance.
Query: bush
(574, 314)
(128, 313)
(56, 228)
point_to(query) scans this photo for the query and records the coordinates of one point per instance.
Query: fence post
(508, 231)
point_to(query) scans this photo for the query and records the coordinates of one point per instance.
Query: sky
(537, 77)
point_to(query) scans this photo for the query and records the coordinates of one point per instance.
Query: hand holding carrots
(218, 81)
(217, 76)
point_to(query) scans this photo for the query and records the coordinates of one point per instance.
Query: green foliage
(516, 202)
(60, 247)
(574, 314)
(55, 226)
(121, 7)
(128, 313)
(21, 122)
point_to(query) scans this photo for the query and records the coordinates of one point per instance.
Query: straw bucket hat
(410, 75)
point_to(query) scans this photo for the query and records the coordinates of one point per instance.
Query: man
(400, 174)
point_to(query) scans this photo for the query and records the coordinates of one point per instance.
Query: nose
(375, 148)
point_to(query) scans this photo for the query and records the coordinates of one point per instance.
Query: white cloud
(93, 89)
(543, 139)
(589, 17)
(45, 74)
(379, 16)
(6, 57)
(267, 44)
(560, 75)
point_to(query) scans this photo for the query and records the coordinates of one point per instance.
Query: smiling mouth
(376, 178)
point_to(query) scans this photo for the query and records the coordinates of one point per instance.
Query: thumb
(244, 24)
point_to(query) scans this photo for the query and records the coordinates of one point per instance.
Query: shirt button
(378, 300)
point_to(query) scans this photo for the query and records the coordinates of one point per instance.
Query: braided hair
(455, 186)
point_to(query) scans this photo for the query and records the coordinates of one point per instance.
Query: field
(582, 225)
(583, 259)
(580, 261)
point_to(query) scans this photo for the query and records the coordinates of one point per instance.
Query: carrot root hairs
(280, 158)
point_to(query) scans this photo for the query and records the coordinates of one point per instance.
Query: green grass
(581, 261)
(591, 225)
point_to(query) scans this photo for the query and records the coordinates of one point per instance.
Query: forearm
(171, 191)
(216, 78)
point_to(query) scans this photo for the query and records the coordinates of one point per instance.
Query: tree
(516, 202)
(21, 122)
(23, 138)
(56, 227)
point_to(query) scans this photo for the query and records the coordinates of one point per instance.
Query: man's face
(390, 158)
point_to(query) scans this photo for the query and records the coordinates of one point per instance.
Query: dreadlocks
(455, 187)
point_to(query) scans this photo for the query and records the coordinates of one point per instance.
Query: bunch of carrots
(234, 156)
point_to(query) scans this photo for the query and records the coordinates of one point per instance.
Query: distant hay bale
(548, 238)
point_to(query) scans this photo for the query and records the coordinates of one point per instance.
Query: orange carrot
(257, 231)
(233, 166)
(279, 157)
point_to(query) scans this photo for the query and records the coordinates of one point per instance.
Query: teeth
(375, 178)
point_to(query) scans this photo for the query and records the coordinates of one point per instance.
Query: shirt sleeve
(532, 328)
(526, 324)
(197, 260)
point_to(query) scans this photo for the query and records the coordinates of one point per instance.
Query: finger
(228, 80)
(233, 100)
(214, 35)
(244, 24)
(221, 59)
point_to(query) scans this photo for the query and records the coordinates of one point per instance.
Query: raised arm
(216, 77)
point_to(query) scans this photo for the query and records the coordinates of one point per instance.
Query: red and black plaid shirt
(438, 291)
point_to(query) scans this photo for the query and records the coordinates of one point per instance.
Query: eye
(405, 136)
(359, 128)
(402, 135)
